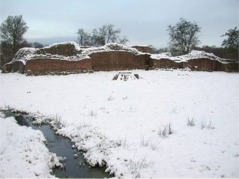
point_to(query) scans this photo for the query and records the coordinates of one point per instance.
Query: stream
(73, 160)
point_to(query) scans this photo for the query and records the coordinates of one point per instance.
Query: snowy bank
(23, 152)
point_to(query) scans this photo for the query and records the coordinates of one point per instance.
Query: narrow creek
(74, 163)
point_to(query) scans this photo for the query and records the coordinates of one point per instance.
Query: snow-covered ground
(23, 152)
(126, 123)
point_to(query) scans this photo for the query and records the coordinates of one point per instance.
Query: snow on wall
(111, 47)
(76, 45)
(25, 54)
(71, 51)
(195, 54)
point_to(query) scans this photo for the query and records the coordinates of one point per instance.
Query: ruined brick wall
(200, 64)
(144, 49)
(60, 49)
(56, 66)
(204, 64)
(18, 66)
(167, 63)
(231, 67)
(119, 60)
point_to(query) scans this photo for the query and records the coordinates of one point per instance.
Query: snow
(23, 152)
(76, 45)
(111, 47)
(194, 54)
(121, 123)
(25, 54)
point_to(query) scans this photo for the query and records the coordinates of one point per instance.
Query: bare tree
(123, 40)
(97, 38)
(110, 34)
(105, 34)
(232, 41)
(12, 31)
(183, 36)
(83, 37)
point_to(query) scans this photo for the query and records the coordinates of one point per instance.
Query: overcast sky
(144, 22)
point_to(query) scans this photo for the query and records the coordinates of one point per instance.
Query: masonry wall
(113, 60)
(231, 67)
(119, 60)
(56, 66)
(200, 64)
(167, 63)
(204, 64)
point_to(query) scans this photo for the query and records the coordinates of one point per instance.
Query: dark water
(74, 167)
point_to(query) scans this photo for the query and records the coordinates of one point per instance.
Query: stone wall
(56, 66)
(119, 60)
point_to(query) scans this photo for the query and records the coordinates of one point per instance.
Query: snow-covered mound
(195, 54)
(24, 54)
(76, 45)
(111, 47)
(70, 51)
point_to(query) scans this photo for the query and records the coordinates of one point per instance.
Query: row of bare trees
(101, 36)
(183, 36)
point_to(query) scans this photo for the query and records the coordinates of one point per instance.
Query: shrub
(208, 125)
(190, 122)
(136, 166)
(165, 131)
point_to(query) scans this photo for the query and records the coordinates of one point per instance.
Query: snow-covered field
(126, 123)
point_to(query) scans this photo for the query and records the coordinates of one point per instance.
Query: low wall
(167, 63)
(16, 66)
(119, 60)
(200, 64)
(113, 60)
(204, 64)
(231, 67)
(56, 66)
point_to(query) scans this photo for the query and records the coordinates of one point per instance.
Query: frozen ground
(125, 123)
(23, 152)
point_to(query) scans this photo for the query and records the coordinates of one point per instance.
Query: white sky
(144, 22)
